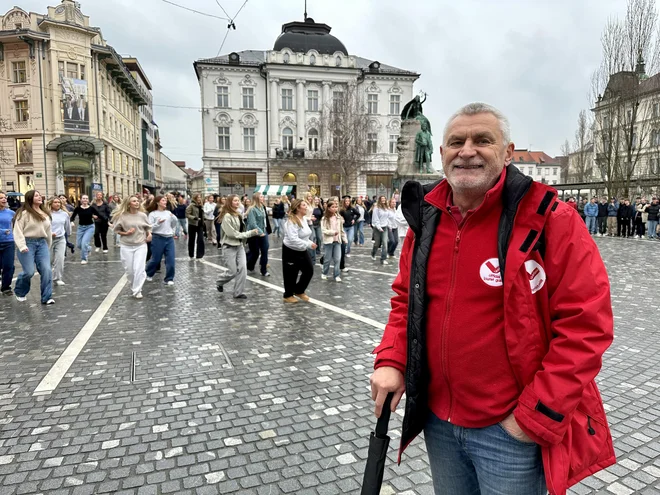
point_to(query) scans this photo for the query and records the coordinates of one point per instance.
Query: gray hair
(477, 108)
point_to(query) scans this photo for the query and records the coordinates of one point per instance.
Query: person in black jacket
(180, 214)
(102, 212)
(602, 216)
(653, 211)
(278, 215)
(625, 214)
(350, 215)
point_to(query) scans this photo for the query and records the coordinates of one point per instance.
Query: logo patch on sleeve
(536, 275)
(490, 272)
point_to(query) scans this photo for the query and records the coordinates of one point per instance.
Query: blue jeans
(161, 245)
(350, 233)
(392, 241)
(37, 257)
(312, 252)
(332, 252)
(592, 225)
(258, 246)
(381, 242)
(7, 264)
(318, 235)
(277, 226)
(486, 461)
(181, 225)
(84, 237)
(651, 227)
(360, 233)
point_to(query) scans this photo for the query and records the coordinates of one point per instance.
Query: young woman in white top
(60, 228)
(332, 225)
(209, 217)
(309, 199)
(163, 225)
(393, 234)
(359, 226)
(33, 237)
(296, 247)
(380, 223)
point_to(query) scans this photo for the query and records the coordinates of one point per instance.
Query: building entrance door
(74, 187)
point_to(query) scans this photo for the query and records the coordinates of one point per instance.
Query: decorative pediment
(313, 123)
(374, 126)
(373, 88)
(223, 119)
(14, 17)
(394, 126)
(395, 89)
(248, 120)
(221, 80)
(287, 122)
(248, 81)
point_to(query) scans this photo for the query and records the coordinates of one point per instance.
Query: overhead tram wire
(223, 9)
(230, 25)
(197, 11)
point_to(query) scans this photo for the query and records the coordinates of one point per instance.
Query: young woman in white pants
(132, 224)
(61, 228)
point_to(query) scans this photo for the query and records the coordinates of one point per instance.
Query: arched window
(285, 58)
(313, 140)
(287, 139)
(313, 179)
(312, 59)
(289, 177)
(338, 61)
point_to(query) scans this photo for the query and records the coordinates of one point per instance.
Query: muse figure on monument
(423, 144)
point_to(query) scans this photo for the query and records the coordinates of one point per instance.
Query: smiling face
(55, 205)
(162, 204)
(475, 153)
(38, 200)
(382, 201)
(3, 201)
(393, 203)
(84, 200)
(99, 196)
(236, 202)
(333, 207)
(347, 202)
(134, 202)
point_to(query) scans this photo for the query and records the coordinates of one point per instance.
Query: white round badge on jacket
(490, 272)
(536, 275)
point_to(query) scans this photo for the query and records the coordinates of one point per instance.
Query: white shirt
(209, 208)
(297, 238)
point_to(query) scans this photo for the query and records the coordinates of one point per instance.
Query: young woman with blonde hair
(131, 223)
(233, 239)
(257, 218)
(333, 238)
(33, 237)
(296, 246)
(163, 226)
(380, 222)
(60, 228)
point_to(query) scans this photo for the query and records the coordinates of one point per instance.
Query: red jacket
(558, 323)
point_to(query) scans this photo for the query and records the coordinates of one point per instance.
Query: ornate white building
(262, 114)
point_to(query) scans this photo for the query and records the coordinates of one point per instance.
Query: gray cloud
(533, 60)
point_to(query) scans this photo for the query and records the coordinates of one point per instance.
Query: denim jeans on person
(332, 253)
(312, 252)
(592, 225)
(162, 246)
(486, 461)
(84, 236)
(359, 233)
(258, 246)
(392, 241)
(57, 250)
(36, 258)
(277, 226)
(181, 225)
(651, 227)
(7, 250)
(381, 242)
(318, 235)
(350, 233)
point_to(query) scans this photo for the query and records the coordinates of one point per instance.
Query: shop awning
(269, 190)
(80, 144)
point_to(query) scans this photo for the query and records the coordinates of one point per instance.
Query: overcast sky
(531, 59)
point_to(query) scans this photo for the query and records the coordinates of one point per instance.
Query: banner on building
(74, 105)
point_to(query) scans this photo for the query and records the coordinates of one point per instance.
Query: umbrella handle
(383, 421)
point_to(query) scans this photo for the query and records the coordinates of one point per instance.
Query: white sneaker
(150, 279)
(324, 277)
(59, 282)
(373, 258)
(385, 262)
(348, 255)
(171, 282)
(97, 250)
(105, 251)
(338, 279)
(83, 262)
(344, 270)
(138, 295)
(50, 301)
(21, 299)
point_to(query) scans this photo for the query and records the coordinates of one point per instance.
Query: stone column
(325, 109)
(326, 94)
(274, 116)
(300, 114)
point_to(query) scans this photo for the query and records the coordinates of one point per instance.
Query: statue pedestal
(406, 168)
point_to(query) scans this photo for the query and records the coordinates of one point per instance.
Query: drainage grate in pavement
(152, 364)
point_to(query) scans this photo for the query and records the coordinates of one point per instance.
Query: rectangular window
(223, 138)
(547, 171)
(82, 72)
(60, 69)
(393, 140)
(287, 99)
(22, 112)
(338, 101)
(372, 104)
(71, 70)
(313, 141)
(114, 169)
(312, 100)
(554, 171)
(372, 142)
(656, 109)
(19, 72)
(223, 96)
(395, 104)
(249, 138)
(248, 97)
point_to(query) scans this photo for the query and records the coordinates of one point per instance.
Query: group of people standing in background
(616, 218)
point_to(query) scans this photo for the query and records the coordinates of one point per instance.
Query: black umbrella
(378, 443)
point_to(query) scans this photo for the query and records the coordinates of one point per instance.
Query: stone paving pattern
(190, 391)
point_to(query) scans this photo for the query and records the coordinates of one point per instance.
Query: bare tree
(344, 133)
(580, 169)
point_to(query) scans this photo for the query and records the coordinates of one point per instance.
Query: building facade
(69, 107)
(538, 165)
(264, 111)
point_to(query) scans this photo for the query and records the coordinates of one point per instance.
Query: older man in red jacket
(501, 316)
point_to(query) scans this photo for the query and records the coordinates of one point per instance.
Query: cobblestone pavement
(190, 391)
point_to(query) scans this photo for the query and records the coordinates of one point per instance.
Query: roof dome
(304, 36)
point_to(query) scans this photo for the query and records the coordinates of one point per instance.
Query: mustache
(472, 162)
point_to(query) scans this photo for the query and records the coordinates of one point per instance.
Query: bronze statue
(423, 148)
(413, 108)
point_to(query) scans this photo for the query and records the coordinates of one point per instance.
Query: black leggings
(196, 237)
(101, 235)
(294, 263)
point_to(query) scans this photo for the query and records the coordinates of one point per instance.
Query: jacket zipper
(445, 326)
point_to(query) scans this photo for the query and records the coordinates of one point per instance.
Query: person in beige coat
(333, 236)
(195, 217)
